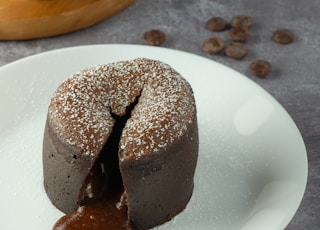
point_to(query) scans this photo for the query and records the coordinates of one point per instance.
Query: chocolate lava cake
(129, 127)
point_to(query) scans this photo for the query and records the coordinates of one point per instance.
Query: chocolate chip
(239, 34)
(213, 45)
(236, 50)
(283, 36)
(242, 20)
(216, 24)
(154, 37)
(260, 68)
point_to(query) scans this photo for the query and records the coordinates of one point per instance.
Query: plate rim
(53, 52)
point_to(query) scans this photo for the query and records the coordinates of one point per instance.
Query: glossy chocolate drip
(95, 185)
(99, 215)
(101, 206)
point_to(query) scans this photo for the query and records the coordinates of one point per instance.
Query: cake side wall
(64, 171)
(160, 185)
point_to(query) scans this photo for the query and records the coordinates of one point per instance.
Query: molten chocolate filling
(101, 206)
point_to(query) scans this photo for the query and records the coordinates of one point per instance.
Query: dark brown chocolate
(159, 186)
(65, 170)
(138, 131)
(100, 207)
(101, 215)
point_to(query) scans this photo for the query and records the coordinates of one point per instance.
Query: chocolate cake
(128, 129)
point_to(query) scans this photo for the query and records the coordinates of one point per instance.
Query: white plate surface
(252, 167)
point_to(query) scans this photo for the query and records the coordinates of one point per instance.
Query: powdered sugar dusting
(80, 109)
(166, 107)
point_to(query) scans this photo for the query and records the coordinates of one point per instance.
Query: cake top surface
(80, 109)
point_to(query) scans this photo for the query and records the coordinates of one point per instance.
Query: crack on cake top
(81, 107)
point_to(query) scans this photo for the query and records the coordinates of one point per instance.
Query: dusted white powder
(80, 109)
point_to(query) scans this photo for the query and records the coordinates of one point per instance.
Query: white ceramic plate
(249, 145)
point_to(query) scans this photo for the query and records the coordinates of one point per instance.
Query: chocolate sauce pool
(100, 208)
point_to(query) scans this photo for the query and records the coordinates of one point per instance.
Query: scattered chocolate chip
(154, 37)
(213, 45)
(283, 36)
(260, 68)
(239, 34)
(216, 24)
(236, 50)
(242, 20)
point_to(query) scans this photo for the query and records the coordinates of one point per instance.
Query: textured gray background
(294, 81)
